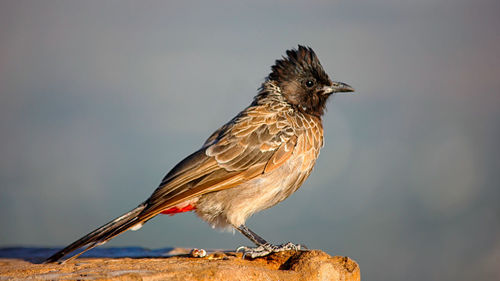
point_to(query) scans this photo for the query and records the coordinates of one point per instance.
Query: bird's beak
(338, 87)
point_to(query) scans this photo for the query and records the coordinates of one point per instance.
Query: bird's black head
(303, 82)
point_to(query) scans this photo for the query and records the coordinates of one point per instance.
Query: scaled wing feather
(232, 155)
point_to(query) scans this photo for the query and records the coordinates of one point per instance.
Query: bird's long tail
(102, 234)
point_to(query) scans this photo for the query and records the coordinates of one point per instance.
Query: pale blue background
(99, 99)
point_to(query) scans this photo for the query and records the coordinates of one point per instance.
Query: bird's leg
(263, 247)
(259, 241)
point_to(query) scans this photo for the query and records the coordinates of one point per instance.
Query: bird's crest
(297, 61)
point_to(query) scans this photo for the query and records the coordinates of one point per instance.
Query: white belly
(231, 207)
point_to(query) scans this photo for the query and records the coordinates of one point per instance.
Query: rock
(290, 265)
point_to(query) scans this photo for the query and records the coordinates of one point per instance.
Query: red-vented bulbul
(251, 163)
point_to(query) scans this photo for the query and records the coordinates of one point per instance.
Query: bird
(251, 163)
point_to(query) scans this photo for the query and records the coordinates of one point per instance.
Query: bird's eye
(309, 83)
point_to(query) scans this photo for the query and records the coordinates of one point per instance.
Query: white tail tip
(136, 227)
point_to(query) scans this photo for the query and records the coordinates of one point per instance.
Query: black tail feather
(101, 235)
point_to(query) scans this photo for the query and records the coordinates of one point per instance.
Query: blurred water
(38, 254)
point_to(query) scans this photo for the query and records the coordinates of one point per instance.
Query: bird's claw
(266, 249)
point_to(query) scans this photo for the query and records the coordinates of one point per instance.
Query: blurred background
(99, 99)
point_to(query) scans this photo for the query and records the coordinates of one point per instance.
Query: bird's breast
(231, 207)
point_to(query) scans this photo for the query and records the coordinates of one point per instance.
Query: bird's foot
(266, 249)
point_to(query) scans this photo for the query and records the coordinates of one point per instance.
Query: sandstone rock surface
(307, 265)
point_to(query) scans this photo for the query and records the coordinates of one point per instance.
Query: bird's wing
(257, 141)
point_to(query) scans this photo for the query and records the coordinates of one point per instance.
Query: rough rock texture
(310, 265)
